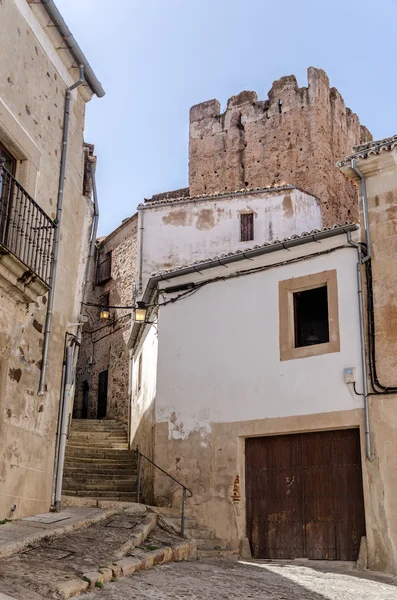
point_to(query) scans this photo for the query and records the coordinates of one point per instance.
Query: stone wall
(378, 165)
(294, 137)
(104, 345)
(33, 80)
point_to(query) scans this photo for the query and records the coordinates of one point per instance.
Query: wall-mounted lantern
(140, 312)
(104, 315)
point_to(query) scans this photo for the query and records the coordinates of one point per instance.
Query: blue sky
(156, 58)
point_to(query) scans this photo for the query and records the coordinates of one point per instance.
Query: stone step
(77, 440)
(108, 495)
(109, 478)
(98, 431)
(96, 441)
(91, 425)
(201, 533)
(211, 544)
(88, 462)
(208, 553)
(99, 445)
(99, 472)
(174, 511)
(189, 519)
(86, 452)
(112, 486)
(97, 435)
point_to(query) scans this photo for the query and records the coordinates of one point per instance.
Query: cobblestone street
(222, 579)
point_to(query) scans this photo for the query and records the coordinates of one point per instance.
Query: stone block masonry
(104, 345)
(295, 136)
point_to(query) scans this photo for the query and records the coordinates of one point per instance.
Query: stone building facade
(36, 69)
(103, 364)
(294, 137)
(377, 163)
(201, 383)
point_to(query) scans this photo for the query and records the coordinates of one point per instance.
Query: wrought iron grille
(25, 229)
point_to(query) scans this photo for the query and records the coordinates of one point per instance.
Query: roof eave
(73, 47)
(249, 254)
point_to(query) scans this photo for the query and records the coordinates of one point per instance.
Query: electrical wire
(355, 390)
(382, 389)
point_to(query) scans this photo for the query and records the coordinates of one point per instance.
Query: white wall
(142, 400)
(185, 232)
(218, 357)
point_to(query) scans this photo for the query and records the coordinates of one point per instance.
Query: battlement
(295, 136)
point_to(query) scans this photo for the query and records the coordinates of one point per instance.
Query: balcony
(26, 242)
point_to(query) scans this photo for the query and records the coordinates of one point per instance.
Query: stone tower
(295, 136)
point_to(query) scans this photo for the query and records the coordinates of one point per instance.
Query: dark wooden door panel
(274, 497)
(304, 495)
(348, 494)
(102, 394)
(318, 496)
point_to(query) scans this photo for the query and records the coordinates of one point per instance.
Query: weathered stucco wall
(33, 80)
(295, 136)
(189, 231)
(380, 171)
(104, 345)
(143, 384)
(220, 378)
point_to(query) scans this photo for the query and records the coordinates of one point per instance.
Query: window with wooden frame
(139, 373)
(10, 161)
(246, 227)
(104, 268)
(309, 315)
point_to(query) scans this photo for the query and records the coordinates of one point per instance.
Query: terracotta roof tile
(305, 234)
(169, 200)
(365, 150)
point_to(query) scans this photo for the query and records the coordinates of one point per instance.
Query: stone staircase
(207, 544)
(98, 463)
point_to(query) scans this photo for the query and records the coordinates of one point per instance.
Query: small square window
(247, 227)
(311, 317)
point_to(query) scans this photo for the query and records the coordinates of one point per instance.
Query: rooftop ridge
(366, 150)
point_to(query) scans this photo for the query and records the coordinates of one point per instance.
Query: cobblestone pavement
(226, 580)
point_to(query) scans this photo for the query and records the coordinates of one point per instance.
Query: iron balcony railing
(25, 229)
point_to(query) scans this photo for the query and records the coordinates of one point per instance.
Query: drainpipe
(368, 449)
(90, 262)
(141, 230)
(60, 410)
(365, 208)
(64, 428)
(69, 368)
(54, 262)
(93, 231)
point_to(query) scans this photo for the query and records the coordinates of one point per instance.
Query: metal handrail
(184, 488)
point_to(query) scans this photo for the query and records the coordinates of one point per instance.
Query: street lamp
(140, 312)
(104, 315)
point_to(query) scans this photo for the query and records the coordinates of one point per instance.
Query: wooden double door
(304, 495)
